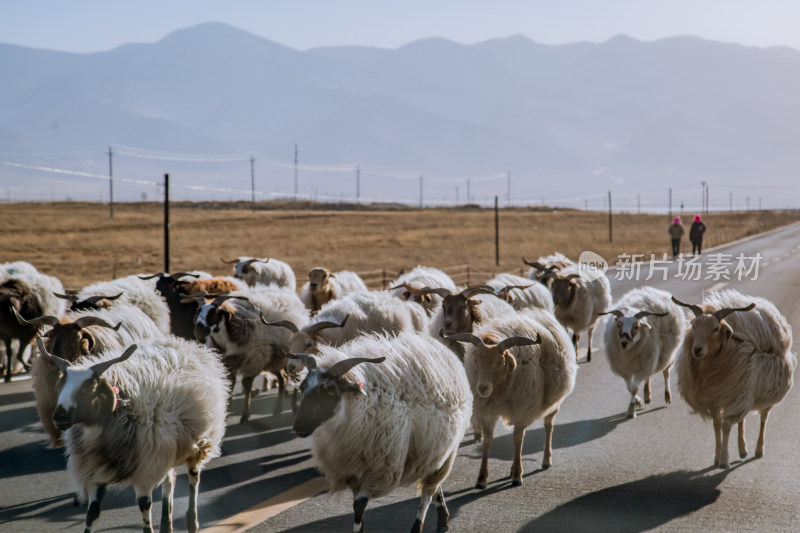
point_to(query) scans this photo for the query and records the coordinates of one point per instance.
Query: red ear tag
(116, 393)
(361, 384)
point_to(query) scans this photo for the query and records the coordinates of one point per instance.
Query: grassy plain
(80, 244)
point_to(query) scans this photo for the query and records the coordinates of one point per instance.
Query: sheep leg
(633, 387)
(667, 391)
(295, 400)
(648, 396)
(476, 427)
(516, 465)
(442, 514)
(247, 387)
(576, 336)
(359, 506)
(742, 442)
(281, 393)
(547, 458)
(488, 439)
(145, 499)
(589, 342)
(724, 460)
(424, 503)
(192, 525)
(717, 438)
(167, 491)
(9, 360)
(95, 497)
(761, 431)
(431, 487)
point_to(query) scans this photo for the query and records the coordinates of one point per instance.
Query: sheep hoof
(647, 400)
(417, 527)
(742, 455)
(477, 438)
(724, 466)
(545, 466)
(516, 483)
(758, 455)
(480, 486)
(244, 419)
(442, 529)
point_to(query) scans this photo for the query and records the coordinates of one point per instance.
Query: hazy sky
(95, 25)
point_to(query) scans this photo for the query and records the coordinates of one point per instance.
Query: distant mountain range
(569, 121)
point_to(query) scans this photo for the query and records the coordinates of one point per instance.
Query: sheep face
(303, 342)
(564, 290)
(491, 367)
(710, 334)
(630, 330)
(69, 341)
(83, 398)
(322, 391)
(318, 279)
(458, 313)
(205, 315)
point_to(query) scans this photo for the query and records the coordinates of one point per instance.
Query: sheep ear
(646, 325)
(87, 342)
(511, 362)
(349, 386)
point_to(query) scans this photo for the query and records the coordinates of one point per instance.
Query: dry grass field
(80, 244)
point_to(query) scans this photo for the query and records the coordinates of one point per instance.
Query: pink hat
(698, 218)
(677, 220)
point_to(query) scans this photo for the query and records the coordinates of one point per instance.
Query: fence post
(468, 276)
(383, 279)
(166, 223)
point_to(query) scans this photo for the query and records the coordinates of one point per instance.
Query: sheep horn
(62, 364)
(72, 299)
(260, 260)
(99, 368)
(695, 308)
(409, 288)
(305, 358)
(343, 367)
(222, 298)
(441, 291)
(251, 261)
(159, 275)
(642, 314)
(508, 288)
(472, 291)
(616, 312)
(86, 321)
(464, 337)
(231, 262)
(197, 297)
(536, 264)
(722, 313)
(47, 320)
(571, 276)
(94, 299)
(288, 324)
(319, 326)
(518, 341)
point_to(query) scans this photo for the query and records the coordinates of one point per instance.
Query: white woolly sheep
(266, 271)
(376, 427)
(25, 291)
(232, 324)
(340, 321)
(131, 419)
(323, 286)
(81, 333)
(522, 386)
(131, 290)
(408, 285)
(542, 267)
(641, 340)
(735, 359)
(579, 296)
(521, 292)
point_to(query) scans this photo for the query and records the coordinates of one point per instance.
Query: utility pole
(610, 236)
(639, 204)
(747, 202)
(358, 184)
(759, 203)
(730, 199)
(670, 203)
(253, 180)
(456, 195)
(508, 177)
(469, 197)
(420, 191)
(703, 201)
(110, 183)
(496, 233)
(166, 222)
(295, 171)
(706, 198)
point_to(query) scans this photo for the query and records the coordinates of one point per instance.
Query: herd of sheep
(133, 376)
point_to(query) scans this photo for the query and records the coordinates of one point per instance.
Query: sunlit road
(609, 473)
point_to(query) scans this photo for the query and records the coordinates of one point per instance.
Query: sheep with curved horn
(520, 368)
(29, 292)
(232, 325)
(267, 271)
(579, 296)
(77, 334)
(342, 320)
(641, 339)
(324, 286)
(744, 342)
(542, 269)
(384, 412)
(130, 419)
(407, 287)
(520, 292)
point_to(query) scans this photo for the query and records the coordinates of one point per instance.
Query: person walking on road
(696, 234)
(675, 233)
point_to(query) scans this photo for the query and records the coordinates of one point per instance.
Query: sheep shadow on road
(636, 506)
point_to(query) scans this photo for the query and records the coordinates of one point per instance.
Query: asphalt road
(609, 473)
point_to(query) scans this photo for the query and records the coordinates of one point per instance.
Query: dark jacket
(675, 231)
(696, 233)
